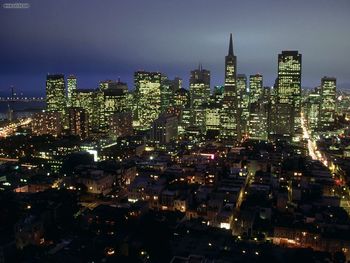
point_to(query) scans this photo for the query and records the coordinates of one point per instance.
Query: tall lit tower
(243, 101)
(288, 104)
(229, 117)
(255, 87)
(328, 103)
(71, 89)
(199, 96)
(148, 97)
(55, 93)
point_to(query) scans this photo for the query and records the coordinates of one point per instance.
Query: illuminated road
(341, 189)
(311, 145)
(11, 128)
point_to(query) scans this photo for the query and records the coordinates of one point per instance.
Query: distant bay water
(20, 109)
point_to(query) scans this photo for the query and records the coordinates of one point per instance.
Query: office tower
(71, 90)
(115, 95)
(272, 111)
(185, 120)
(164, 129)
(120, 124)
(229, 116)
(132, 102)
(199, 96)
(177, 84)
(243, 101)
(212, 119)
(328, 103)
(92, 101)
(166, 93)
(255, 87)
(113, 85)
(266, 95)
(148, 97)
(213, 110)
(218, 95)
(78, 122)
(56, 93)
(312, 111)
(288, 101)
(181, 98)
(47, 122)
(257, 121)
(181, 103)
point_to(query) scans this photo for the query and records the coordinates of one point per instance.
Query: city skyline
(175, 131)
(109, 52)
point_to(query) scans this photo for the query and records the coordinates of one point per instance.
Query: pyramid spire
(230, 49)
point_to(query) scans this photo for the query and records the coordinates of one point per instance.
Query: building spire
(230, 49)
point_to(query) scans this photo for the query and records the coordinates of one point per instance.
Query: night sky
(98, 40)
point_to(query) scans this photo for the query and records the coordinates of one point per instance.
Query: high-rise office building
(115, 95)
(257, 121)
(328, 103)
(218, 95)
(148, 98)
(243, 101)
(288, 97)
(71, 89)
(229, 116)
(312, 110)
(56, 93)
(78, 122)
(120, 124)
(166, 93)
(213, 109)
(255, 87)
(164, 129)
(176, 83)
(47, 122)
(212, 118)
(199, 96)
(185, 120)
(181, 98)
(92, 101)
(181, 104)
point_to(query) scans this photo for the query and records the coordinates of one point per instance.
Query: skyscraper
(47, 122)
(120, 124)
(328, 103)
(312, 110)
(199, 96)
(148, 98)
(78, 122)
(255, 87)
(288, 101)
(243, 101)
(257, 121)
(164, 129)
(55, 93)
(166, 93)
(92, 102)
(114, 100)
(71, 89)
(229, 116)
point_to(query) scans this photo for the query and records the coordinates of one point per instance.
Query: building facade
(229, 117)
(328, 103)
(148, 98)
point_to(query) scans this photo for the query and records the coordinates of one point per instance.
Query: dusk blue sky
(98, 40)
